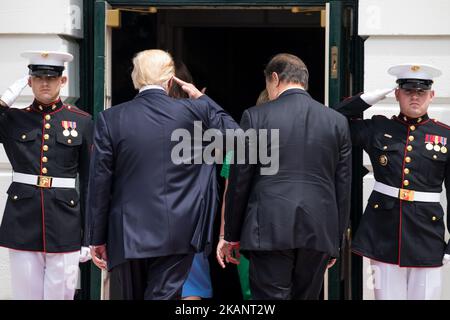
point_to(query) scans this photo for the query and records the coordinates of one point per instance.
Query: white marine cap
(414, 75)
(47, 63)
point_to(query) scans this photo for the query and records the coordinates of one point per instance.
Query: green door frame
(349, 61)
(335, 88)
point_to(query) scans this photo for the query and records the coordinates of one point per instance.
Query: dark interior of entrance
(226, 52)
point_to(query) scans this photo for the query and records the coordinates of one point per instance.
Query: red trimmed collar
(46, 108)
(412, 121)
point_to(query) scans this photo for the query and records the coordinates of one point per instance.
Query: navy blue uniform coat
(406, 233)
(49, 220)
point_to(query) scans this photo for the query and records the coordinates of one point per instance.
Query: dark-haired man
(291, 223)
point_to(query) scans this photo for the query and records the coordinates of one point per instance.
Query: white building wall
(402, 31)
(34, 25)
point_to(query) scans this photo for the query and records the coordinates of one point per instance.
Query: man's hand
(229, 251)
(99, 256)
(375, 96)
(446, 259)
(220, 253)
(13, 92)
(85, 254)
(331, 263)
(189, 88)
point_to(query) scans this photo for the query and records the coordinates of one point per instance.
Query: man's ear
(170, 84)
(29, 81)
(275, 78)
(396, 93)
(431, 95)
(63, 81)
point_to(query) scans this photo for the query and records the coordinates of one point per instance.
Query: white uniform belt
(406, 194)
(43, 181)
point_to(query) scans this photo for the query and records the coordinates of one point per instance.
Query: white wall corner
(63, 17)
(404, 17)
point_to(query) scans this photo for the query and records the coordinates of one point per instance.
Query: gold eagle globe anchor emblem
(383, 160)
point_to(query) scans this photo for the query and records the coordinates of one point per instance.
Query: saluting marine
(402, 229)
(47, 143)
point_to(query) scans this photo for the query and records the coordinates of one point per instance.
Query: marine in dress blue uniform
(48, 144)
(402, 229)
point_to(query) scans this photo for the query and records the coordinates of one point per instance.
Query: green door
(101, 101)
(335, 87)
(345, 78)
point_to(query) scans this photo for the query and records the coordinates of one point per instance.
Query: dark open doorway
(226, 53)
(232, 65)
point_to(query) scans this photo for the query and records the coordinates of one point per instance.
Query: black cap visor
(414, 84)
(45, 71)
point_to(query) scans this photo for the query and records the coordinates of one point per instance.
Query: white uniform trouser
(394, 283)
(49, 276)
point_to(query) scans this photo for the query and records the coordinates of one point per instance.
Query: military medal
(429, 142)
(74, 132)
(444, 143)
(437, 148)
(65, 125)
(383, 160)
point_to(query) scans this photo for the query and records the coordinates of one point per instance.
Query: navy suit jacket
(306, 204)
(141, 204)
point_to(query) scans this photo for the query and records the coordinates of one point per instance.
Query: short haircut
(152, 67)
(289, 68)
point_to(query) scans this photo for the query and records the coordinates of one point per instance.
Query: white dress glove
(13, 92)
(85, 254)
(446, 259)
(375, 96)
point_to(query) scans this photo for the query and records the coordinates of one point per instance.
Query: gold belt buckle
(44, 182)
(407, 195)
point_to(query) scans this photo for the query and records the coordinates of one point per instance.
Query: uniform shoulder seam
(442, 124)
(22, 109)
(379, 116)
(76, 110)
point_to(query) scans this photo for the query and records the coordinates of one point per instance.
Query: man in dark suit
(149, 213)
(291, 223)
